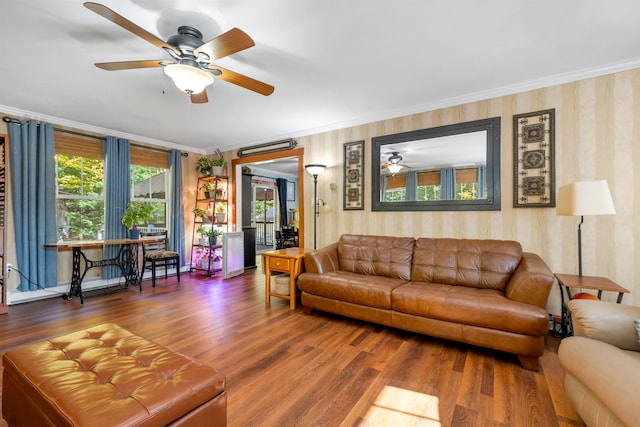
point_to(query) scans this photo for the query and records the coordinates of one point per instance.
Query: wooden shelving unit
(206, 257)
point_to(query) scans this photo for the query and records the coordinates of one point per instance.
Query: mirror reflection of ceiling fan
(393, 164)
(191, 65)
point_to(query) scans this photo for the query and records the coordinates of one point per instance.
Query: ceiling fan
(190, 67)
(393, 163)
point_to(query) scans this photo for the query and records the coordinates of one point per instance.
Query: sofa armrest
(322, 260)
(606, 321)
(601, 381)
(531, 282)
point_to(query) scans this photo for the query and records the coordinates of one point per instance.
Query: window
(428, 192)
(80, 184)
(395, 195)
(467, 184)
(428, 187)
(149, 185)
(79, 197)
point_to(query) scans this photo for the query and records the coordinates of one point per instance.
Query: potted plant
(200, 213)
(137, 213)
(204, 235)
(209, 189)
(221, 214)
(213, 235)
(216, 166)
(217, 262)
(204, 166)
(221, 192)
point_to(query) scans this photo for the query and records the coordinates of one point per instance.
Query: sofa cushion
(486, 308)
(372, 291)
(486, 264)
(376, 255)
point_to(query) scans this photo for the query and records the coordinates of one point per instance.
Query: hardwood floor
(285, 368)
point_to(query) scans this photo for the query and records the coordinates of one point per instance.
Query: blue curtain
(117, 195)
(412, 186)
(176, 206)
(383, 188)
(481, 182)
(282, 198)
(34, 202)
(447, 184)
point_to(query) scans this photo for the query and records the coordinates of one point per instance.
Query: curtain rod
(18, 122)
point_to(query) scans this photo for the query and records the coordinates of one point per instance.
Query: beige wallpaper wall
(597, 128)
(597, 125)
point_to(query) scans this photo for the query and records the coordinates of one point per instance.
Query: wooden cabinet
(289, 261)
(211, 214)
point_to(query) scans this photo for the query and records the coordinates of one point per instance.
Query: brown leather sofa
(482, 292)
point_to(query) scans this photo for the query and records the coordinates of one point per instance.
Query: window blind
(86, 146)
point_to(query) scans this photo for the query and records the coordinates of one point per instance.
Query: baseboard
(18, 297)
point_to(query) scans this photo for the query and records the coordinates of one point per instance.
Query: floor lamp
(315, 170)
(584, 198)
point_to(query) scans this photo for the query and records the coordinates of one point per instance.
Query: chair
(602, 362)
(289, 237)
(157, 255)
(286, 238)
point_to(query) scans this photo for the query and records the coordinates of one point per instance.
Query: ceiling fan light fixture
(187, 78)
(394, 168)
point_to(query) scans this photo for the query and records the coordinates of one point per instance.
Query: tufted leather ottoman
(107, 376)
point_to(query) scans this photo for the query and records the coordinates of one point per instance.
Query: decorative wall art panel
(533, 162)
(354, 175)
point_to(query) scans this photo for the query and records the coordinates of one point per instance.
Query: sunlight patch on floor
(399, 407)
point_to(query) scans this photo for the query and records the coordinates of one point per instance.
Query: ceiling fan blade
(225, 44)
(241, 80)
(128, 65)
(200, 98)
(120, 20)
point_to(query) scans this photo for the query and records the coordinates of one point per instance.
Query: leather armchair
(602, 363)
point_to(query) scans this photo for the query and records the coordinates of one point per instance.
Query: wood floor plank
(287, 368)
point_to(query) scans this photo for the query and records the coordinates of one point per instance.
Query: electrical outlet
(9, 267)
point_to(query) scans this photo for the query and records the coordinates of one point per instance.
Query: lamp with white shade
(584, 198)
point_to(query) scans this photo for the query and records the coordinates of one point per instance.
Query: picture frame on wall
(534, 159)
(353, 186)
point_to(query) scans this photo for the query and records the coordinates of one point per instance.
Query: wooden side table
(289, 260)
(568, 281)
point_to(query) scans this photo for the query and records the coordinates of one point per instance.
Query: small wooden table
(599, 284)
(289, 260)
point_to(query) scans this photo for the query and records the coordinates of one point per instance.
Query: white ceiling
(334, 63)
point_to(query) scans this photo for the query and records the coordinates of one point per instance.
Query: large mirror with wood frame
(447, 168)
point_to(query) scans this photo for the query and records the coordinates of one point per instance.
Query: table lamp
(584, 198)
